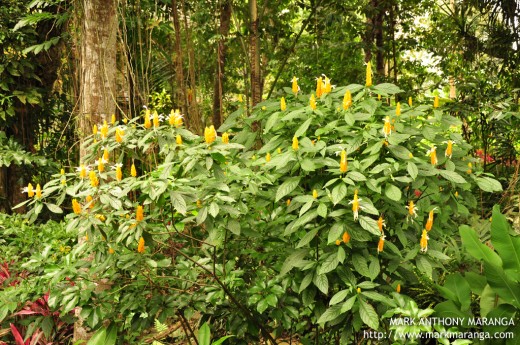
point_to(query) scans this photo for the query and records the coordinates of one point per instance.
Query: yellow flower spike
(338, 242)
(100, 217)
(171, 118)
(410, 155)
(100, 165)
(283, 105)
(119, 173)
(429, 222)
(288, 202)
(210, 134)
(358, 290)
(412, 209)
(345, 237)
(225, 138)
(38, 191)
(30, 191)
(381, 244)
(378, 97)
(139, 213)
(343, 163)
(94, 130)
(268, 157)
(327, 86)
(381, 224)
(104, 130)
(387, 127)
(94, 182)
(82, 171)
(410, 102)
(315, 194)
(76, 207)
(398, 288)
(433, 155)
(140, 246)
(295, 143)
(312, 102)
(119, 135)
(456, 194)
(199, 204)
(369, 75)
(240, 99)
(125, 120)
(449, 149)
(279, 150)
(398, 109)
(155, 119)
(111, 250)
(89, 201)
(355, 205)
(264, 107)
(113, 119)
(347, 100)
(178, 139)
(105, 154)
(295, 87)
(436, 101)
(147, 122)
(424, 241)
(62, 171)
(319, 87)
(133, 172)
(178, 118)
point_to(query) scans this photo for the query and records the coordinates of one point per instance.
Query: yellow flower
(381, 224)
(338, 242)
(89, 201)
(345, 237)
(199, 203)
(410, 155)
(178, 118)
(101, 164)
(343, 163)
(210, 134)
(369, 75)
(104, 130)
(113, 118)
(147, 122)
(94, 182)
(398, 109)
(327, 86)
(279, 150)
(470, 166)
(105, 154)
(312, 102)
(268, 157)
(283, 105)
(225, 138)
(319, 90)
(398, 288)
(140, 246)
(429, 222)
(94, 129)
(412, 209)
(424, 241)
(449, 149)
(240, 99)
(155, 119)
(378, 97)
(288, 202)
(133, 172)
(315, 194)
(30, 191)
(295, 87)
(355, 204)
(100, 217)
(456, 194)
(347, 100)
(381, 244)
(82, 171)
(62, 171)
(38, 191)
(119, 173)
(387, 127)
(436, 101)
(178, 139)
(433, 155)
(410, 102)
(139, 214)
(119, 135)
(295, 143)
(76, 207)
(358, 290)
(111, 250)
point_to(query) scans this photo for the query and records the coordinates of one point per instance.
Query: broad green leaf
(399, 151)
(329, 264)
(293, 260)
(202, 215)
(424, 265)
(322, 210)
(348, 304)
(339, 192)
(452, 176)
(368, 314)
(286, 187)
(204, 334)
(178, 202)
(303, 128)
(54, 208)
(374, 268)
(330, 314)
(339, 296)
(360, 264)
(392, 192)
(335, 233)
(387, 89)
(356, 176)
(321, 282)
(271, 121)
(369, 225)
(476, 248)
(234, 226)
(412, 170)
(488, 184)
(98, 338)
(504, 286)
(308, 165)
(307, 238)
(457, 289)
(507, 245)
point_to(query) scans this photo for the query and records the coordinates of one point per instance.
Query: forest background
(188, 168)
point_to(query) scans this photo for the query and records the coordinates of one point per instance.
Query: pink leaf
(17, 336)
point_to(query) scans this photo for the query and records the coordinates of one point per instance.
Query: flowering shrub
(346, 201)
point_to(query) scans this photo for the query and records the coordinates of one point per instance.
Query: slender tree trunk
(254, 51)
(179, 69)
(378, 35)
(225, 19)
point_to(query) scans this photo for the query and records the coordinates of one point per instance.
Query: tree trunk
(179, 69)
(378, 35)
(254, 51)
(225, 19)
(98, 65)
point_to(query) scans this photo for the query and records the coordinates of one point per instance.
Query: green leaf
(307, 238)
(308, 165)
(424, 265)
(335, 233)
(330, 314)
(487, 184)
(370, 225)
(234, 226)
(204, 334)
(356, 176)
(286, 187)
(202, 215)
(387, 89)
(507, 245)
(339, 296)
(221, 340)
(271, 122)
(374, 268)
(392, 192)
(214, 209)
(54, 208)
(303, 128)
(360, 265)
(399, 151)
(111, 335)
(348, 304)
(329, 264)
(322, 210)
(293, 260)
(321, 282)
(339, 192)
(98, 338)
(368, 314)
(452, 176)
(476, 248)
(178, 202)
(457, 289)
(412, 170)
(505, 287)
